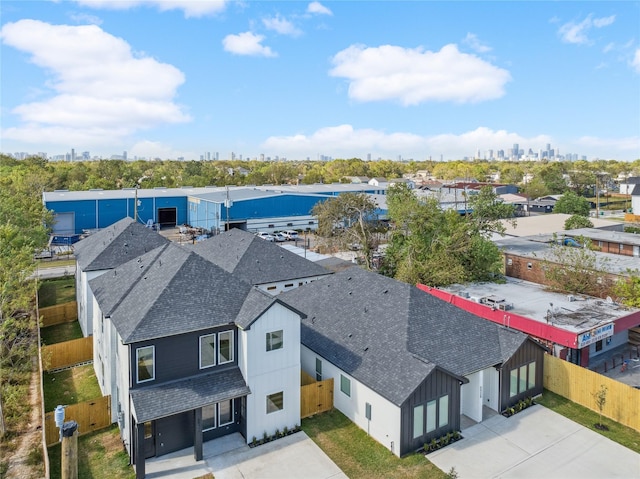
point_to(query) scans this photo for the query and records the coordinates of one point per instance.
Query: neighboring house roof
(172, 290)
(174, 397)
(636, 190)
(390, 336)
(255, 260)
(116, 244)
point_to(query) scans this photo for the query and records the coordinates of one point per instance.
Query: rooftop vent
(463, 294)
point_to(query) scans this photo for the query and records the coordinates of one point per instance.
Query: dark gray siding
(436, 385)
(177, 357)
(529, 352)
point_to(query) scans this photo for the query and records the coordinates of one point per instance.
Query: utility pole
(69, 454)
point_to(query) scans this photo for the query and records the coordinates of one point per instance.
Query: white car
(279, 237)
(291, 235)
(265, 236)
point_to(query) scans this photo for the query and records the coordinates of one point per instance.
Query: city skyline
(298, 80)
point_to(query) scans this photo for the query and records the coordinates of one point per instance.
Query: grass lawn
(358, 455)
(44, 264)
(100, 455)
(617, 432)
(61, 332)
(57, 291)
(70, 386)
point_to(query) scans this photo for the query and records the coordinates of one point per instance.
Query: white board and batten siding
(384, 425)
(481, 390)
(85, 300)
(271, 372)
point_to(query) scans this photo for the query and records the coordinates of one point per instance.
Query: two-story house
(190, 352)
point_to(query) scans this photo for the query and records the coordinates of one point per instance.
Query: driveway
(536, 443)
(293, 457)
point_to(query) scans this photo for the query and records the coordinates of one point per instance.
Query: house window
(318, 369)
(148, 430)
(418, 421)
(509, 262)
(225, 347)
(208, 417)
(513, 383)
(431, 416)
(146, 366)
(274, 340)
(345, 385)
(522, 384)
(443, 411)
(275, 402)
(599, 345)
(621, 247)
(225, 412)
(531, 383)
(207, 351)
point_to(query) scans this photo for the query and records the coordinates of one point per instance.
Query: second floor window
(146, 364)
(225, 347)
(274, 340)
(207, 351)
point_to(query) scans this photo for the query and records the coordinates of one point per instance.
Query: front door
(149, 439)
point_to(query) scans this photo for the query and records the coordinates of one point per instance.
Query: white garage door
(63, 224)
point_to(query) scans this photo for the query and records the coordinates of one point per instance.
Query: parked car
(279, 237)
(291, 235)
(265, 236)
(43, 254)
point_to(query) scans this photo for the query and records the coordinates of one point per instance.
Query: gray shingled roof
(175, 397)
(116, 244)
(636, 190)
(169, 291)
(390, 335)
(255, 260)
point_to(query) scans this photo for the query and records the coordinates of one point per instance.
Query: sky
(341, 79)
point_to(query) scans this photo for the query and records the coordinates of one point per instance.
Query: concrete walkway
(229, 457)
(536, 443)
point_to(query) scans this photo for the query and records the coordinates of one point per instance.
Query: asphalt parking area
(536, 443)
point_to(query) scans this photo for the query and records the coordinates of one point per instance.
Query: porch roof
(175, 397)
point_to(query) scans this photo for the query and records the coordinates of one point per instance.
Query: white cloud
(572, 32)
(98, 91)
(635, 63)
(610, 148)
(608, 47)
(247, 43)
(191, 8)
(85, 19)
(414, 76)
(318, 8)
(155, 149)
(281, 25)
(344, 141)
(475, 44)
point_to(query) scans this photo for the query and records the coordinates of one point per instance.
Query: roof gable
(112, 246)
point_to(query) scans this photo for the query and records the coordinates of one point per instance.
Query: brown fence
(316, 396)
(58, 314)
(90, 416)
(579, 385)
(68, 353)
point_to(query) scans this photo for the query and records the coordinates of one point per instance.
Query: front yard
(361, 457)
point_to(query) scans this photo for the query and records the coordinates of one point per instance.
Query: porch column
(139, 451)
(197, 435)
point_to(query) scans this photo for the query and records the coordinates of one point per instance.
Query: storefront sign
(596, 334)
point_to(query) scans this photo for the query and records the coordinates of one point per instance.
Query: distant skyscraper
(515, 151)
(368, 156)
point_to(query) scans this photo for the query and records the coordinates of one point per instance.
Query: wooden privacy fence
(579, 385)
(90, 416)
(68, 353)
(315, 396)
(58, 314)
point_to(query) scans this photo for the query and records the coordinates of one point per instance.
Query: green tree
(434, 246)
(600, 397)
(627, 289)
(488, 210)
(577, 221)
(572, 204)
(349, 218)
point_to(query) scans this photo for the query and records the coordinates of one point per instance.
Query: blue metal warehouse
(265, 208)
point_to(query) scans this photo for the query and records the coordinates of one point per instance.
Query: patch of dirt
(23, 461)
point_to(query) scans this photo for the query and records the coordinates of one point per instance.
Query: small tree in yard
(601, 399)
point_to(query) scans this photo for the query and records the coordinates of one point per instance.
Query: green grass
(57, 291)
(100, 456)
(70, 386)
(360, 456)
(47, 263)
(60, 333)
(617, 432)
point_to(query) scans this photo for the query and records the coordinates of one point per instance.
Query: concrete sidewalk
(229, 457)
(536, 443)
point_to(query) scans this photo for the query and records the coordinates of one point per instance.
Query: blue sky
(293, 79)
